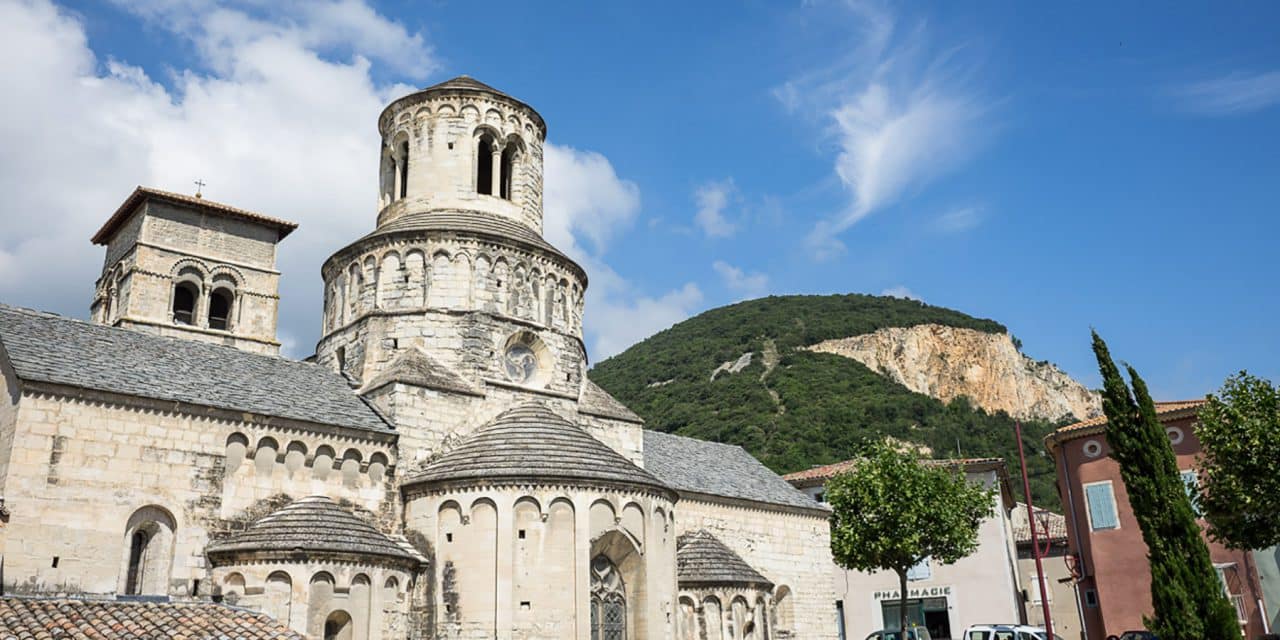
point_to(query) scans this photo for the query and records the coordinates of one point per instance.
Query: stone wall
(792, 550)
(84, 470)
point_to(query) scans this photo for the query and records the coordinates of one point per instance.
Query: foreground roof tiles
(818, 475)
(702, 559)
(44, 347)
(64, 618)
(316, 524)
(531, 441)
(711, 468)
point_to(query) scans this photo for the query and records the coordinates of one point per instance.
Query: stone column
(504, 559)
(582, 568)
(496, 177)
(396, 181)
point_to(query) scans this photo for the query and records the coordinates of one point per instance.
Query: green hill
(794, 409)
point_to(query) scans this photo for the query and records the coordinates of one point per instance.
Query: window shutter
(1102, 507)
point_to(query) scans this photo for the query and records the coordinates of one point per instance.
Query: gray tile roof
(50, 618)
(315, 523)
(533, 441)
(698, 466)
(44, 347)
(418, 368)
(470, 222)
(702, 559)
(597, 401)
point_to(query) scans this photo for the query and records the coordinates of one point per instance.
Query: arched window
(484, 166)
(608, 601)
(338, 626)
(220, 309)
(508, 167)
(149, 551)
(404, 168)
(185, 295)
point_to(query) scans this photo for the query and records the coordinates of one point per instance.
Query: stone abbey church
(440, 468)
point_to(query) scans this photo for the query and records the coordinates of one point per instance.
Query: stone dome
(532, 442)
(314, 524)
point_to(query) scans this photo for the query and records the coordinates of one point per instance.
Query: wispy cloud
(900, 291)
(744, 284)
(712, 199)
(957, 220)
(899, 113)
(1233, 94)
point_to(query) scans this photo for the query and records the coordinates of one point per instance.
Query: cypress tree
(1186, 593)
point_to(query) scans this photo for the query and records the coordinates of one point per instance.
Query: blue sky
(1055, 167)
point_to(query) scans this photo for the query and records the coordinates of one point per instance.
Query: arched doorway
(338, 626)
(608, 601)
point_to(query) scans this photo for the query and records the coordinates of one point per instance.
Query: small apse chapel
(441, 468)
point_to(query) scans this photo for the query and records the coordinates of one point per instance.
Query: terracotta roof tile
(1056, 524)
(1166, 411)
(141, 194)
(828, 471)
(22, 618)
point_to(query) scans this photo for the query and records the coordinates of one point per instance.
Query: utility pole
(1036, 551)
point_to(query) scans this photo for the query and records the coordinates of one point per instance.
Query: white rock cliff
(946, 363)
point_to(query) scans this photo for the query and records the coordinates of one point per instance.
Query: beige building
(442, 467)
(1055, 562)
(983, 588)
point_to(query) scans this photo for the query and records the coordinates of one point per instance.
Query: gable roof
(40, 618)
(142, 194)
(1165, 412)
(597, 402)
(728, 471)
(819, 475)
(531, 441)
(315, 523)
(44, 347)
(702, 559)
(416, 367)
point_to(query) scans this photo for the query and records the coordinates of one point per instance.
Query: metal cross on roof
(199, 186)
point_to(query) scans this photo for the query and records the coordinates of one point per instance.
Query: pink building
(1109, 557)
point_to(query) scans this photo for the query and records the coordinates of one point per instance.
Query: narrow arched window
(220, 309)
(508, 167)
(484, 166)
(404, 168)
(137, 554)
(608, 601)
(185, 295)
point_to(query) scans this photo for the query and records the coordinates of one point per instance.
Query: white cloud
(958, 220)
(1233, 94)
(899, 117)
(746, 285)
(86, 131)
(584, 197)
(625, 322)
(900, 291)
(712, 199)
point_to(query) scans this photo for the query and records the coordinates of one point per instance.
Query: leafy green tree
(1239, 431)
(892, 511)
(1186, 593)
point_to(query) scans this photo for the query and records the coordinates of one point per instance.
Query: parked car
(914, 633)
(1138, 635)
(1006, 632)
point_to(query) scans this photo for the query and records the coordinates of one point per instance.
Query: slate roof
(702, 559)
(418, 368)
(1056, 529)
(56, 618)
(315, 523)
(698, 466)
(44, 347)
(1165, 412)
(597, 401)
(488, 225)
(533, 441)
(142, 194)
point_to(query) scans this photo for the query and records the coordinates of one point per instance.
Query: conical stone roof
(532, 442)
(702, 559)
(314, 524)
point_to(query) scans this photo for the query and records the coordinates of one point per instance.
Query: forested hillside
(794, 408)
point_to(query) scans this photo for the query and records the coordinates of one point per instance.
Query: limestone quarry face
(946, 363)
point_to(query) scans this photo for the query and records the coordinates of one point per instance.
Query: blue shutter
(1102, 507)
(1192, 483)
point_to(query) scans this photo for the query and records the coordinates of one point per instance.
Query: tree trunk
(902, 605)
